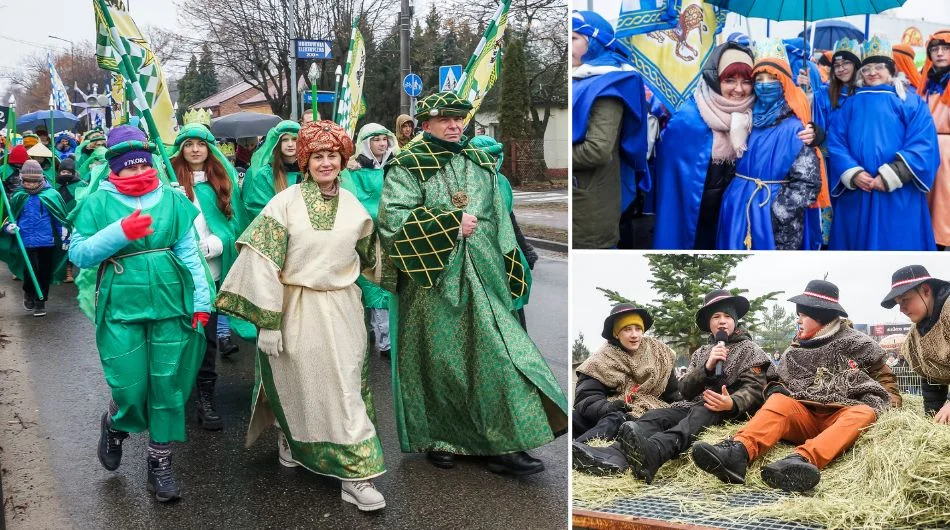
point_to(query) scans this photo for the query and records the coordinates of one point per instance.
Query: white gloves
(270, 342)
(11, 228)
(211, 246)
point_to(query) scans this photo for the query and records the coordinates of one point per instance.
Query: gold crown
(878, 46)
(227, 149)
(849, 45)
(201, 116)
(766, 49)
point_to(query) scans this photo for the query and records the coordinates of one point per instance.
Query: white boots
(363, 494)
(284, 456)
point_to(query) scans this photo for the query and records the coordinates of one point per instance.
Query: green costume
(258, 186)
(143, 312)
(10, 251)
(467, 378)
(89, 162)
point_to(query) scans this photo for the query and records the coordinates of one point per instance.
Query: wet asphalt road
(228, 486)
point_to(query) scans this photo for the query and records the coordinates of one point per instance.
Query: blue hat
(603, 48)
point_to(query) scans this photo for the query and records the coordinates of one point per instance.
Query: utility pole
(291, 19)
(405, 26)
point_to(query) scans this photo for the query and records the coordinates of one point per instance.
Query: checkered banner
(484, 68)
(132, 43)
(351, 107)
(60, 96)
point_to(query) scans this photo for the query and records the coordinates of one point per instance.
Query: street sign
(322, 97)
(313, 49)
(412, 84)
(4, 112)
(449, 77)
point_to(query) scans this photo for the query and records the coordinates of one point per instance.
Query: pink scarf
(730, 121)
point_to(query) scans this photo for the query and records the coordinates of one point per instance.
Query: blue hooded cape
(873, 128)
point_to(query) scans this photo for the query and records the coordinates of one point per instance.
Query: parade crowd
(305, 243)
(829, 385)
(849, 151)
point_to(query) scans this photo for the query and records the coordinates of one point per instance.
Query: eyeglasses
(842, 65)
(873, 68)
(942, 48)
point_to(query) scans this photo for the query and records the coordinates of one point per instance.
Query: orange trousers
(824, 432)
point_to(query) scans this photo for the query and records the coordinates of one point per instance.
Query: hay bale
(897, 474)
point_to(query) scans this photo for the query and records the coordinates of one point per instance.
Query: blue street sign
(322, 97)
(449, 77)
(313, 49)
(412, 84)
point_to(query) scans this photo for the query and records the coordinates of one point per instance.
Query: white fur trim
(848, 176)
(890, 177)
(585, 70)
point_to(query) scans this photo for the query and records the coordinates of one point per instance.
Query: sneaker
(727, 460)
(161, 481)
(28, 302)
(363, 494)
(792, 473)
(39, 309)
(110, 444)
(284, 456)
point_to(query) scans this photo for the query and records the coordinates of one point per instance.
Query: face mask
(768, 93)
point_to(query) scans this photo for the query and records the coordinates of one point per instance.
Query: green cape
(10, 251)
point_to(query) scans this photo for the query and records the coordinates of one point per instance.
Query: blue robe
(821, 104)
(682, 159)
(772, 150)
(874, 127)
(628, 88)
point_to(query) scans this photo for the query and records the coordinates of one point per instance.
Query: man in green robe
(467, 378)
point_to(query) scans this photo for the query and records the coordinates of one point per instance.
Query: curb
(547, 244)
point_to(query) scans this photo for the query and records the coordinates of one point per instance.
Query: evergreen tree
(579, 350)
(187, 87)
(513, 112)
(777, 330)
(207, 77)
(681, 281)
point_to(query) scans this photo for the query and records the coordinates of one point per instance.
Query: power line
(28, 43)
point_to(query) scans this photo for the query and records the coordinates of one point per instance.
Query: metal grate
(671, 511)
(907, 379)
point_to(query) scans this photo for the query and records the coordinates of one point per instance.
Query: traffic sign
(449, 77)
(313, 49)
(322, 97)
(412, 84)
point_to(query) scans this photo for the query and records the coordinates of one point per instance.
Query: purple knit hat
(126, 133)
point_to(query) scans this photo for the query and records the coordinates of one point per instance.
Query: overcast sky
(863, 279)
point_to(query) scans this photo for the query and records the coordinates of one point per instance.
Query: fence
(907, 380)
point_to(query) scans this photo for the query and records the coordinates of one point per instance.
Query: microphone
(721, 337)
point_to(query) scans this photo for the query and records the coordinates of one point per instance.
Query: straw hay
(896, 475)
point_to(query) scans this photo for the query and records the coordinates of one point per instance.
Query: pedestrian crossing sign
(449, 77)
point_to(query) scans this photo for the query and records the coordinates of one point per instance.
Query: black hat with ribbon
(819, 301)
(907, 278)
(721, 300)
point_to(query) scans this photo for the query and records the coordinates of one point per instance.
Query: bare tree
(251, 38)
(30, 83)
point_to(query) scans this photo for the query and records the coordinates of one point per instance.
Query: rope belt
(119, 269)
(759, 184)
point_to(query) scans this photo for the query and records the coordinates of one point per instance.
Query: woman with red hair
(210, 182)
(295, 279)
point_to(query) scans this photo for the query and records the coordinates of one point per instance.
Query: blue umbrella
(805, 10)
(40, 120)
(828, 32)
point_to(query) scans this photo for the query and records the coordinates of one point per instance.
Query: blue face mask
(768, 93)
(769, 103)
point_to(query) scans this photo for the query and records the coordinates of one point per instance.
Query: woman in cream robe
(295, 280)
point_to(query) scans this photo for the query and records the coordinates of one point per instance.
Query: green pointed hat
(849, 50)
(442, 104)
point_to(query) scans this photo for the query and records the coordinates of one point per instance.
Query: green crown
(766, 49)
(878, 46)
(848, 45)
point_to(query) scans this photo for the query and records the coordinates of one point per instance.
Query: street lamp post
(314, 76)
(336, 91)
(176, 115)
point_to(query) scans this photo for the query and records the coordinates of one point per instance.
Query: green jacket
(596, 168)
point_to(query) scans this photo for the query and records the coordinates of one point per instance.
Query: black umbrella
(243, 125)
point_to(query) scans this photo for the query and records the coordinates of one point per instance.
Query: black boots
(441, 459)
(161, 482)
(226, 347)
(600, 461)
(518, 464)
(28, 301)
(208, 417)
(39, 309)
(641, 452)
(110, 444)
(792, 473)
(727, 460)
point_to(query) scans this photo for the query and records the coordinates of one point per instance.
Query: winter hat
(721, 300)
(32, 172)
(68, 165)
(906, 278)
(734, 61)
(619, 313)
(127, 146)
(30, 139)
(18, 155)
